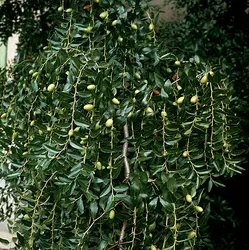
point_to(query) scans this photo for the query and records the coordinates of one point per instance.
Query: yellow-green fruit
(185, 154)
(103, 15)
(134, 26)
(3, 115)
(96, 1)
(49, 129)
(88, 107)
(191, 235)
(163, 114)
(149, 111)
(112, 214)
(91, 87)
(60, 8)
(137, 91)
(115, 101)
(109, 123)
(198, 209)
(40, 132)
(32, 123)
(169, 70)
(120, 39)
(211, 73)
(153, 247)
(77, 129)
(164, 153)
(137, 76)
(71, 132)
(31, 72)
(9, 109)
(177, 63)
(187, 248)
(204, 79)
(194, 99)
(180, 100)
(26, 217)
(99, 165)
(69, 10)
(151, 27)
(152, 226)
(114, 23)
(25, 153)
(188, 198)
(130, 114)
(35, 74)
(51, 87)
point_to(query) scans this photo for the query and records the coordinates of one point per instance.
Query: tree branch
(125, 150)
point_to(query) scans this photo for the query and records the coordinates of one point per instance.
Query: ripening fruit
(99, 165)
(191, 235)
(137, 76)
(211, 73)
(114, 23)
(185, 154)
(153, 247)
(88, 107)
(188, 198)
(163, 114)
(177, 63)
(109, 123)
(32, 123)
(152, 226)
(91, 87)
(49, 129)
(115, 101)
(180, 100)
(60, 8)
(204, 79)
(71, 132)
(194, 99)
(198, 209)
(151, 27)
(69, 10)
(111, 214)
(120, 39)
(103, 15)
(134, 26)
(51, 87)
(3, 115)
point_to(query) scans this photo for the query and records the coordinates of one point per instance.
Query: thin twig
(125, 150)
(122, 234)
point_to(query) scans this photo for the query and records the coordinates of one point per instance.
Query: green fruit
(88, 29)
(204, 79)
(31, 72)
(152, 226)
(109, 123)
(51, 87)
(191, 235)
(25, 153)
(149, 111)
(111, 214)
(187, 248)
(137, 91)
(77, 129)
(32, 123)
(60, 8)
(137, 76)
(177, 63)
(26, 217)
(103, 15)
(198, 209)
(194, 99)
(71, 132)
(35, 74)
(130, 114)
(163, 114)
(120, 39)
(115, 101)
(185, 154)
(96, 1)
(151, 27)
(99, 165)
(134, 26)
(40, 132)
(114, 23)
(168, 70)
(188, 198)
(88, 107)
(91, 87)
(69, 10)
(180, 100)
(211, 73)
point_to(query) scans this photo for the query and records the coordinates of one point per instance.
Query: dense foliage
(109, 141)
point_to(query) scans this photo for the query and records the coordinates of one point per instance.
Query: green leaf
(80, 205)
(4, 241)
(93, 209)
